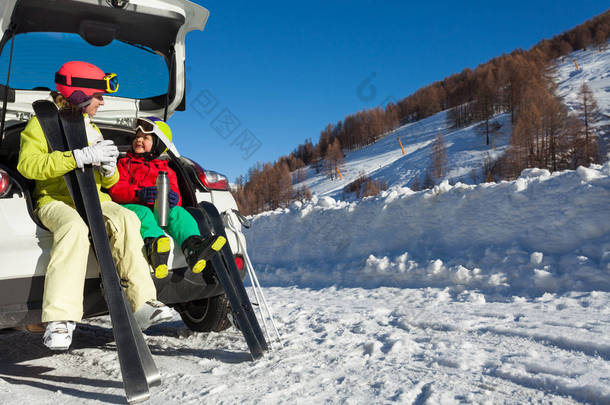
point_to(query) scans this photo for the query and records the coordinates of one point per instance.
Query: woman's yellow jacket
(47, 168)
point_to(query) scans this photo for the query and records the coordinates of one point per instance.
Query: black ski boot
(198, 250)
(157, 251)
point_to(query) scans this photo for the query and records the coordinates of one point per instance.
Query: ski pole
(255, 284)
(258, 303)
(249, 263)
(253, 276)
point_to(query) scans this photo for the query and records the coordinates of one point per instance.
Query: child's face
(143, 143)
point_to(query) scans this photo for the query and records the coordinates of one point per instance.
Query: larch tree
(428, 180)
(589, 115)
(334, 158)
(439, 156)
(487, 93)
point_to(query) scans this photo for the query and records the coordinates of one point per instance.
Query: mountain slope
(467, 151)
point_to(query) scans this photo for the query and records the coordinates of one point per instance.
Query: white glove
(102, 152)
(108, 168)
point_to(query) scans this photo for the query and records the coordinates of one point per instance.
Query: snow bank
(540, 233)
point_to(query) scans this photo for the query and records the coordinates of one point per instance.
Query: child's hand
(173, 198)
(147, 194)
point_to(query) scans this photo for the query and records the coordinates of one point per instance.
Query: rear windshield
(37, 56)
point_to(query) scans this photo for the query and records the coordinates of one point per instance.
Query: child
(136, 189)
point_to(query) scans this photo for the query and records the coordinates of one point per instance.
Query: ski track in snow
(347, 345)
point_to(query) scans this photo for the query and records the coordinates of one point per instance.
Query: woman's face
(143, 143)
(95, 103)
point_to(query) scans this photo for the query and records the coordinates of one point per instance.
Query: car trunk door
(158, 25)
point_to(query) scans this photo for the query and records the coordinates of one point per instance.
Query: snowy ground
(353, 346)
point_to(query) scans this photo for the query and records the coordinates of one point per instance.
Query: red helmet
(86, 78)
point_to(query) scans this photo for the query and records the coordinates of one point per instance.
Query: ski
(228, 276)
(138, 369)
(219, 228)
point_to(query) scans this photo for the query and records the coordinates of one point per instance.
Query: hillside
(467, 151)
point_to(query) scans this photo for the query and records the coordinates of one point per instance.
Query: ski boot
(58, 335)
(152, 313)
(198, 250)
(157, 251)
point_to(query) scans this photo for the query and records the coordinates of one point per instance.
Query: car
(144, 42)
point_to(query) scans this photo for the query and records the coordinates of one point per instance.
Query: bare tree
(487, 96)
(439, 156)
(415, 186)
(428, 180)
(589, 115)
(334, 158)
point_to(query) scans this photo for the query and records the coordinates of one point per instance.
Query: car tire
(206, 315)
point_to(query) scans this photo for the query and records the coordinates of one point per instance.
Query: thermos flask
(162, 200)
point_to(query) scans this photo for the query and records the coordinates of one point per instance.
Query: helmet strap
(164, 140)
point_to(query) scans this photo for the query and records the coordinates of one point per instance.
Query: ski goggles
(148, 126)
(145, 125)
(109, 83)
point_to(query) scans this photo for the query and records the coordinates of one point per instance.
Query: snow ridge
(539, 233)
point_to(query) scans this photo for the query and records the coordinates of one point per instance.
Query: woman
(80, 86)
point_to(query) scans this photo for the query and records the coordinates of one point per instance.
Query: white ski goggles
(149, 127)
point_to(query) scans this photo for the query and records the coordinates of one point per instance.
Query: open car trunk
(99, 24)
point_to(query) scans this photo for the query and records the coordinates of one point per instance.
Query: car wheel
(206, 315)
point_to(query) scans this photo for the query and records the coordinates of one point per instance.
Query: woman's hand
(98, 154)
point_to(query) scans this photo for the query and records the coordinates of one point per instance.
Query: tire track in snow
(555, 385)
(521, 370)
(590, 348)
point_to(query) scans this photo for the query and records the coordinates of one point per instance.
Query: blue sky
(279, 72)
(287, 69)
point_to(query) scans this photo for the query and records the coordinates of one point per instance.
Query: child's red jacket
(135, 173)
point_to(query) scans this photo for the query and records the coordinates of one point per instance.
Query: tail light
(210, 179)
(239, 262)
(5, 183)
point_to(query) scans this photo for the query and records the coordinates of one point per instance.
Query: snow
(348, 345)
(462, 294)
(540, 233)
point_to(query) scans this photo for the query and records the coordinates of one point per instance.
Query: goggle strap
(83, 82)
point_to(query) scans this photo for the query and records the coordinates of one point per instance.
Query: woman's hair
(63, 104)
